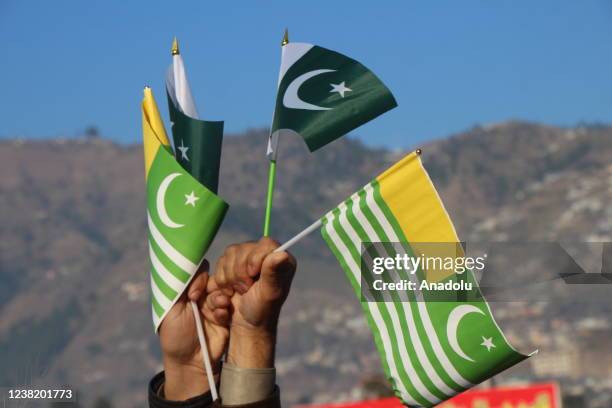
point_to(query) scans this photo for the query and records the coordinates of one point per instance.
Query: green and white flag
(183, 215)
(434, 341)
(322, 95)
(197, 143)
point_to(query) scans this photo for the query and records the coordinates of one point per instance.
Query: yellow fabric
(153, 131)
(415, 203)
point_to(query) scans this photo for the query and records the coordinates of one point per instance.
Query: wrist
(252, 347)
(184, 381)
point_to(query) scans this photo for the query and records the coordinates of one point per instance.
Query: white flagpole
(313, 227)
(298, 237)
(182, 96)
(205, 355)
(196, 313)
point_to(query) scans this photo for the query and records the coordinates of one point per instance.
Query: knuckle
(209, 305)
(203, 278)
(241, 268)
(221, 279)
(220, 262)
(269, 242)
(231, 249)
(252, 258)
(233, 271)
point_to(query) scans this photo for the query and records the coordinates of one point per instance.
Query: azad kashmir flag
(197, 143)
(183, 215)
(433, 344)
(322, 95)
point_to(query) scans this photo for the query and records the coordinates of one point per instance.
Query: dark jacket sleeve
(204, 400)
(156, 401)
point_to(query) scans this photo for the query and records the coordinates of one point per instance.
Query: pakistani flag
(197, 143)
(432, 347)
(183, 215)
(322, 95)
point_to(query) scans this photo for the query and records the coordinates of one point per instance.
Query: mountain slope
(73, 263)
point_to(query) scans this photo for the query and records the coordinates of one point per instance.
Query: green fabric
(203, 140)
(410, 327)
(184, 217)
(368, 97)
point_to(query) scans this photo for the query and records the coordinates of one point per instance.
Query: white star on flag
(340, 88)
(487, 342)
(183, 150)
(191, 199)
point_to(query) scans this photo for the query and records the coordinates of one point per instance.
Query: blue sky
(451, 64)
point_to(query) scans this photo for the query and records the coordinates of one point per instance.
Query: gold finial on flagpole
(175, 47)
(285, 38)
(419, 152)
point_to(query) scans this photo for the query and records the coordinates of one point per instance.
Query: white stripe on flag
(414, 336)
(290, 54)
(378, 320)
(365, 224)
(167, 276)
(180, 85)
(401, 342)
(175, 256)
(156, 320)
(435, 341)
(159, 296)
(378, 214)
(272, 149)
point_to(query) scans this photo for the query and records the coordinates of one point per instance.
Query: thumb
(277, 272)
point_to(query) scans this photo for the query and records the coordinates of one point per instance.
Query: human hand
(261, 280)
(182, 356)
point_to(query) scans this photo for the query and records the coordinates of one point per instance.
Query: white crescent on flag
(453, 323)
(160, 202)
(291, 99)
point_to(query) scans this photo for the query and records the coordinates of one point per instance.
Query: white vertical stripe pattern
(435, 342)
(163, 301)
(167, 276)
(175, 256)
(402, 344)
(378, 320)
(404, 309)
(414, 337)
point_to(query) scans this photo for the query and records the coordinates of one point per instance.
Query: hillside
(73, 237)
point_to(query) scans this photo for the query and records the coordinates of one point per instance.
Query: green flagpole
(272, 173)
(271, 180)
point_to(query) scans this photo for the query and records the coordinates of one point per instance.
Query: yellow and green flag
(432, 345)
(183, 215)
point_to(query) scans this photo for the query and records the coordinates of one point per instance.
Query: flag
(322, 95)
(183, 215)
(197, 143)
(431, 347)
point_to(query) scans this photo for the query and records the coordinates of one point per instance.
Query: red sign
(530, 396)
(382, 403)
